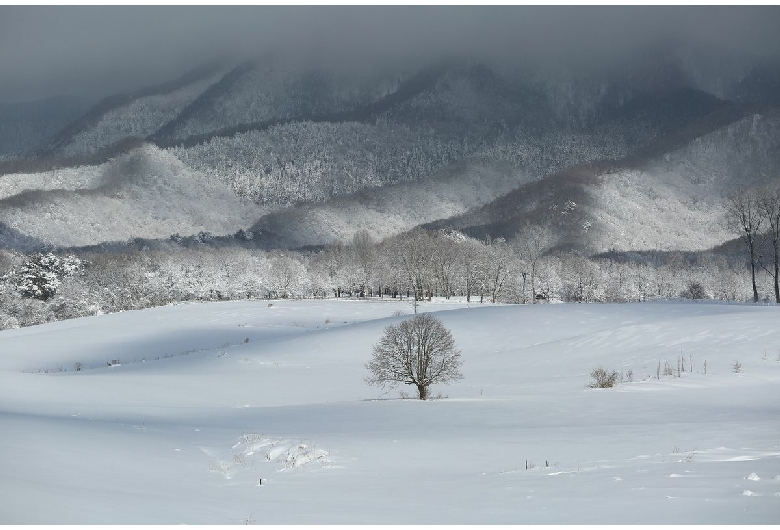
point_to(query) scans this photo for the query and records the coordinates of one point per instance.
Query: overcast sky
(98, 51)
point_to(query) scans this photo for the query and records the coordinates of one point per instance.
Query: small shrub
(78, 366)
(630, 375)
(694, 291)
(603, 379)
(737, 368)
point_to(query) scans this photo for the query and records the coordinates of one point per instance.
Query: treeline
(418, 265)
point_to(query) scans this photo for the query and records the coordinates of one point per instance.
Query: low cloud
(99, 50)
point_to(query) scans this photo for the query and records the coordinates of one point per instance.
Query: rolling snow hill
(247, 412)
(145, 193)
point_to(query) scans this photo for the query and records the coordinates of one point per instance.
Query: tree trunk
(422, 392)
(753, 273)
(777, 282)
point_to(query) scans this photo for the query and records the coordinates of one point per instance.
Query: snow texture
(250, 412)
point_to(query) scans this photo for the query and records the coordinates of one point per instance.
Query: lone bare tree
(419, 351)
(744, 216)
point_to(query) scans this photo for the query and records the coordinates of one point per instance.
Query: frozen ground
(242, 413)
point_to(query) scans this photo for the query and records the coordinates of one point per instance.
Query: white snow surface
(242, 412)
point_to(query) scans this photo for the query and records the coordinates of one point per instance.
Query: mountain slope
(146, 193)
(135, 115)
(671, 200)
(262, 93)
(387, 150)
(389, 210)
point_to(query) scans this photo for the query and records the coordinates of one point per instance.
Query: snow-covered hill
(146, 193)
(389, 210)
(138, 118)
(672, 200)
(249, 412)
(270, 89)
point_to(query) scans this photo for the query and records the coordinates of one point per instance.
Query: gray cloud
(101, 50)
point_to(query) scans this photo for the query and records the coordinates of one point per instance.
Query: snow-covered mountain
(636, 158)
(670, 200)
(389, 210)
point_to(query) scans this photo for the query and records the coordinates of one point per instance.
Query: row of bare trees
(418, 265)
(422, 264)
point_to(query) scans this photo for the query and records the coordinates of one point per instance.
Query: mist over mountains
(286, 140)
(611, 129)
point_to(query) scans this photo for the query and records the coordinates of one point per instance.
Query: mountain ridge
(396, 140)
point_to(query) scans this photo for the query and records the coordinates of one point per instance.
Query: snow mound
(288, 453)
(753, 477)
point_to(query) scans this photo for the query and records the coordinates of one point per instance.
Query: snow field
(241, 412)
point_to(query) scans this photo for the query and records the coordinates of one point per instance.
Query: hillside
(389, 210)
(268, 91)
(146, 193)
(671, 200)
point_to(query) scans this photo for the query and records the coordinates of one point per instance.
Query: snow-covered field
(241, 412)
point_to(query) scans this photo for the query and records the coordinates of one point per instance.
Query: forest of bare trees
(416, 266)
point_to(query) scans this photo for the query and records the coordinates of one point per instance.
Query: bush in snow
(694, 291)
(601, 378)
